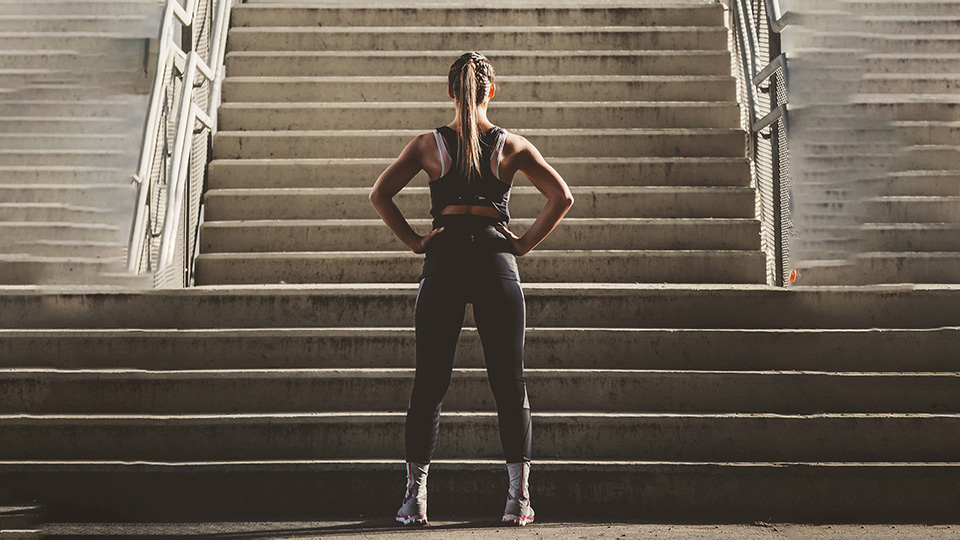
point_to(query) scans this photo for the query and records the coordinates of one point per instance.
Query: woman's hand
(518, 245)
(425, 239)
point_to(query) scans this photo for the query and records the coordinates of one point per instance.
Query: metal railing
(180, 122)
(757, 24)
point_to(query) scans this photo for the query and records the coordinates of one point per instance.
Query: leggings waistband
(465, 221)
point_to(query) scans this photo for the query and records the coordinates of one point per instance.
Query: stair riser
(230, 173)
(590, 204)
(943, 185)
(61, 215)
(22, 125)
(65, 175)
(913, 240)
(113, 25)
(393, 307)
(13, 234)
(426, 63)
(293, 90)
(105, 106)
(739, 350)
(698, 235)
(889, 8)
(714, 493)
(552, 391)
(625, 267)
(67, 7)
(726, 438)
(37, 158)
(59, 142)
(120, 196)
(292, 145)
(930, 159)
(523, 116)
(77, 272)
(310, 16)
(912, 211)
(914, 85)
(879, 43)
(472, 38)
(895, 268)
(892, 64)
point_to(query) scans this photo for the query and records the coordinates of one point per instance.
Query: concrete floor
(482, 530)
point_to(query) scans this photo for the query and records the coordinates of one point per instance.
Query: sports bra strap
(442, 150)
(497, 153)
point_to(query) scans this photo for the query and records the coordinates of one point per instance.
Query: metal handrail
(190, 64)
(778, 20)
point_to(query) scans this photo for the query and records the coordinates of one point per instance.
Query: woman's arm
(559, 199)
(390, 182)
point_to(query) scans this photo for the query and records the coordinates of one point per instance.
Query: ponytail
(470, 78)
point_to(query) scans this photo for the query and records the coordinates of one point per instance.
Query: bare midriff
(472, 210)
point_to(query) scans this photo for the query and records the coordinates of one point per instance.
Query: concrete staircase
(76, 79)
(731, 403)
(635, 107)
(895, 131)
(681, 401)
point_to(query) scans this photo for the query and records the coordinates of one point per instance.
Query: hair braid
(471, 77)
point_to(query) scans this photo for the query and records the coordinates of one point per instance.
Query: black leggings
(469, 262)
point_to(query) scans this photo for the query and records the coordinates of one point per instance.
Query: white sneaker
(518, 510)
(413, 511)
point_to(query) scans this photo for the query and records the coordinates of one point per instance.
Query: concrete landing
(484, 529)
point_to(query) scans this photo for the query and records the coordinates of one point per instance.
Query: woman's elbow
(567, 200)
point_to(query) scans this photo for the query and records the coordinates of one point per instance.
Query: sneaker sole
(519, 521)
(414, 520)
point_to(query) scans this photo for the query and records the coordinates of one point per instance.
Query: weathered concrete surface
(479, 528)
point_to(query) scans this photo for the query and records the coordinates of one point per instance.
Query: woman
(470, 258)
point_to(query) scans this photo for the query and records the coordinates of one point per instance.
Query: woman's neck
(483, 124)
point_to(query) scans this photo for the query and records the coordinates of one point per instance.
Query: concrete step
(67, 60)
(456, 38)
(928, 183)
(904, 62)
(249, 15)
(525, 202)
(513, 88)
(702, 142)
(61, 125)
(361, 172)
(865, 350)
(572, 233)
(941, 132)
(432, 62)
(864, 437)
(244, 491)
(77, 41)
(77, 158)
(86, 7)
(580, 266)
(915, 209)
(90, 195)
(887, 267)
(519, 114)
(14, 233)
(898, 7)
(548, 305)
(90, 108)
(930, 157)
(20, 519)
(71, 248)
(873, 42)
(39, 391)
(912, 236)
(28, 269)
(76, 23)
(60, 174)
(59, 141)
(910, 83)
(54, 212)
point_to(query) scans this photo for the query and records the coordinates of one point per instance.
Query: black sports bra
(488, 190)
